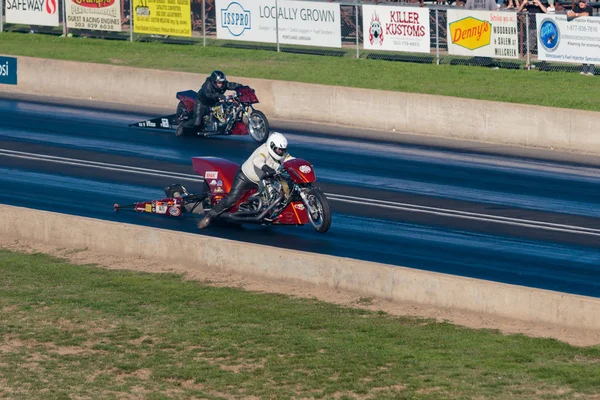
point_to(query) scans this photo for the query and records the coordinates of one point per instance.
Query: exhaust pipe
(248, 213)
(257, 218)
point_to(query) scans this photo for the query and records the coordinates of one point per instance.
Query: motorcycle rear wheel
(180, 114)
(260, 129)
(317, 200)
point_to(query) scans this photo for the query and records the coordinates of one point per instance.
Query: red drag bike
(289, 197)
(235, 116)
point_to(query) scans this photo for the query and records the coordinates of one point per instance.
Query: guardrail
(408, 32)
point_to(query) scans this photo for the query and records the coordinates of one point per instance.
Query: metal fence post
(356, 29)
(277, 23)
(204, 22)
(527, 36)
(131, 20)
(64, 17)
(1, 14)
(437, 37)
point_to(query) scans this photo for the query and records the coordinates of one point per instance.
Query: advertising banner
(102, 15)
(300, 22)
(162, 17)
(574, 41)
(396, 28)
(482, 33)
(32, 12)
(8, 70)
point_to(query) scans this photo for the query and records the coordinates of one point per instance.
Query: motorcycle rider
(211, 93)
(262, 163)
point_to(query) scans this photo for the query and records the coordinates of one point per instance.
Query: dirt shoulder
(576, 337)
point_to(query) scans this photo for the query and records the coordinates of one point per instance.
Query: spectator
(582, 9)
(489, 5)
(532, 7)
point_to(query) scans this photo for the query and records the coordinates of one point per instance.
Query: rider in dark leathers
(211, 93)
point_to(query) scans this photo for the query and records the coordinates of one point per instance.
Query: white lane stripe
(458, 213)
(332, 196)
(101, 165)
(482, 217)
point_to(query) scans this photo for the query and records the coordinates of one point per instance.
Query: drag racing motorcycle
(234, 116)
(288, 198)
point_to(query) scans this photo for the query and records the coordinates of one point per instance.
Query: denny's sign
(471, 33)
(482, 34)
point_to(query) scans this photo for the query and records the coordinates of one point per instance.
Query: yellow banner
(162, 17)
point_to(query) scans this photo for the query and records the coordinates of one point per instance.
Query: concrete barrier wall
(443, 116)
(364, 278)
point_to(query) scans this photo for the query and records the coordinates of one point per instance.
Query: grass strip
(556, 89)
(85, 332)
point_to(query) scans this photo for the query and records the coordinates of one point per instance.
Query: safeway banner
(396, 28)
(102, 15)
(300, 22)
(482, 33)
(32, 12)
(575, 41)
(162, 17)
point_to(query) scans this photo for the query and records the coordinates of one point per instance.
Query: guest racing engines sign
(396, 28)
(32, 12)
(103, 15)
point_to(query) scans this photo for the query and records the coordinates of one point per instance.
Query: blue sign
(235, 18)
(8, 70)
(549, 34)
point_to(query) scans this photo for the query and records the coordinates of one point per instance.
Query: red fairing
(301, 171)
(187, 101)
(217, 172)
(247, 95)
(239, 128)
(294, 214)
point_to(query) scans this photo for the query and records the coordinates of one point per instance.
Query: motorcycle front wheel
(258, 126)
(320, 219)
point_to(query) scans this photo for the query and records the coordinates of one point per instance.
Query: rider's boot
(204, 222)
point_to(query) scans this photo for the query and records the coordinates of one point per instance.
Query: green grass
(557, 89)
(85, 332)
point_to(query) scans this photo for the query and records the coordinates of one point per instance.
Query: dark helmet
(218, 76)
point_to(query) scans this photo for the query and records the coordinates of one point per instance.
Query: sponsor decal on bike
(148, 208)
(161, 208)
(150, 124)
(175, 211)
(213, 183)
(305, 169)
(211, 175)
(218, 190)
(219, 183)
(299, 207)
(164, 122)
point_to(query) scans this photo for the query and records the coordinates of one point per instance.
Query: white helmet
(277, 145)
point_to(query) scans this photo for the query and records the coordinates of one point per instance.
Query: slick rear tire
(180, 111)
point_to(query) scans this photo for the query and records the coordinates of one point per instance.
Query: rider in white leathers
(262, 163)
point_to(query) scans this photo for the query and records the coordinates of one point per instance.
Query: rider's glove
(268, 170)
(222, 97)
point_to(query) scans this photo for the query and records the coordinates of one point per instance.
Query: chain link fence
(204, 32)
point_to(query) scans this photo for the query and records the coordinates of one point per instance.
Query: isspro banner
(299, 22)
(162, 17)
(482, 33)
